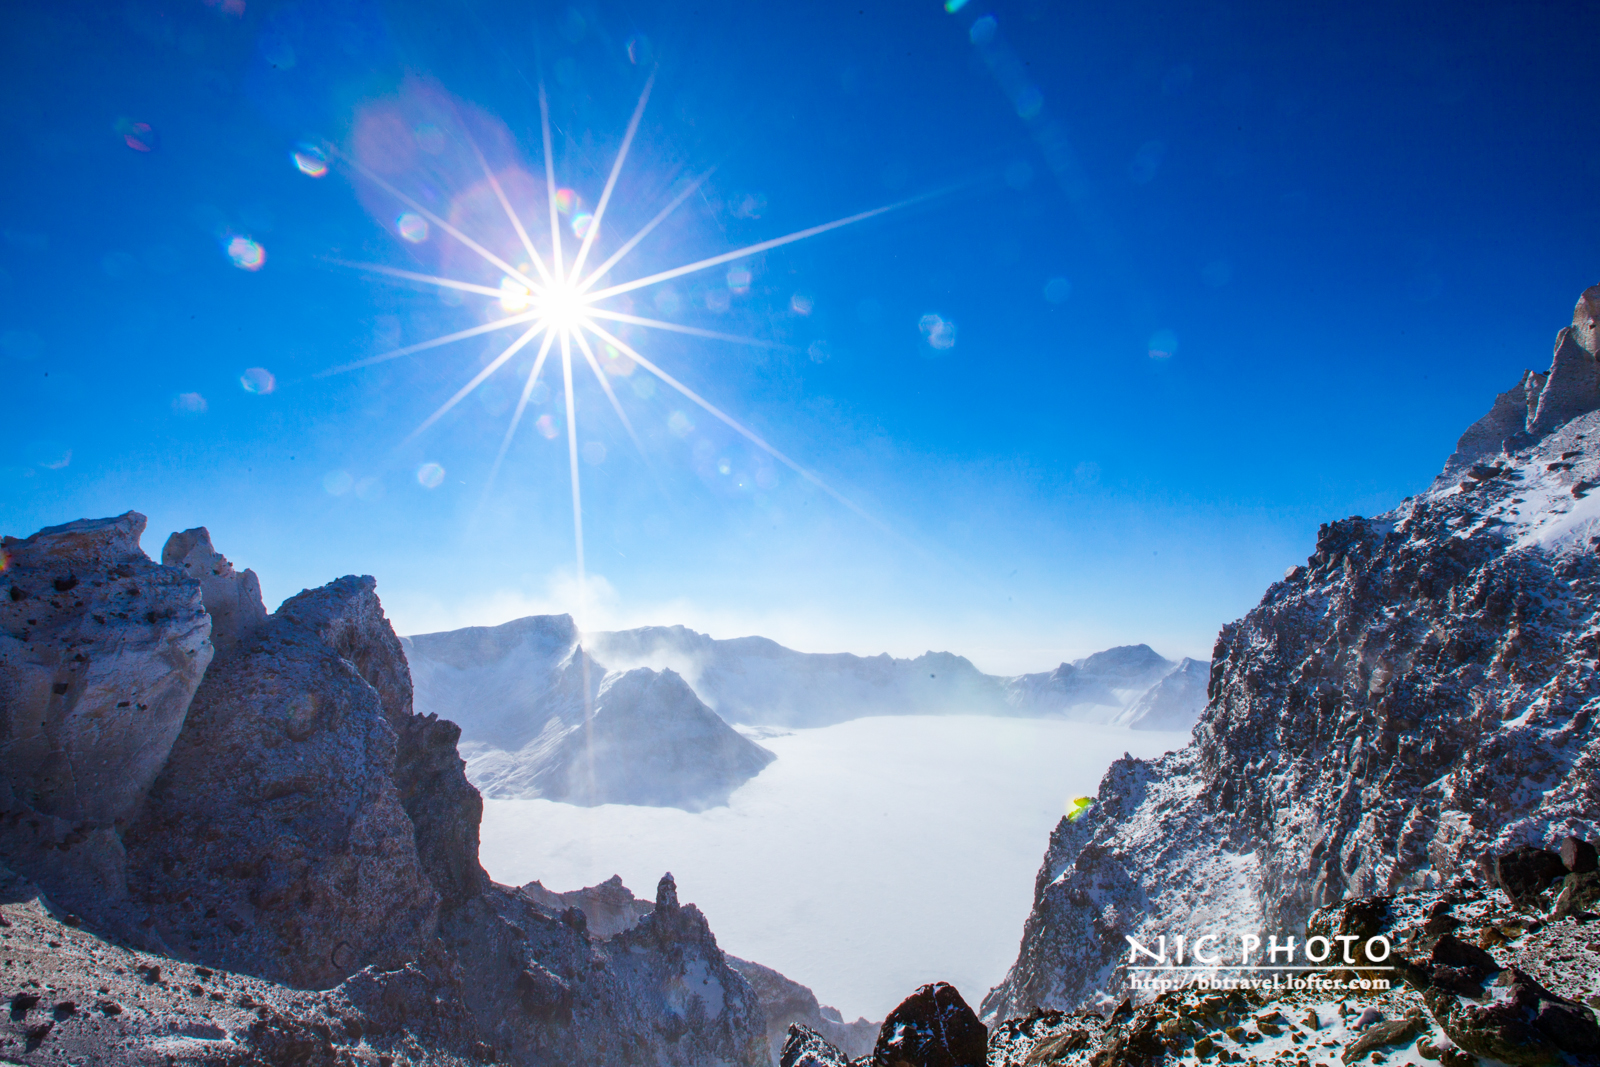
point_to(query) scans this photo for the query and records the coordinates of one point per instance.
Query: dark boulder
(933, 1027)
(1526, 872)
(1523, 1023)
(1577, 855)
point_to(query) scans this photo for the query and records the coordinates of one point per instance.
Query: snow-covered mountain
(540, 718)
(658, 733)
(1419, 697)
(1174, 702)
(1096, 688)
(757, 681)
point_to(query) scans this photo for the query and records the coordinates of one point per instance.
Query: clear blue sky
(1347, 224)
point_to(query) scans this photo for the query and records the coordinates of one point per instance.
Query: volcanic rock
(1524, 873)
(284, 775)
(232, 599)
(1416, 699)
(101, 650)
(1578, 855)
(933, 1027)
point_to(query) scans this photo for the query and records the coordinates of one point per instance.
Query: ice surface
(871, 857)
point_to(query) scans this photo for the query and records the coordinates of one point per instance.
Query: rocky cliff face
(101, 650)
(1422, 694)
(277, 818)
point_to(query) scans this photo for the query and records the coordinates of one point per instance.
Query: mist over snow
(870, 857)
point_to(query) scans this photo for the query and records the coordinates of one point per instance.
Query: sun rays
(559, 302)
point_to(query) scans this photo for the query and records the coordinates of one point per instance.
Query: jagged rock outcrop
(306, 830)
(232, 599)
(787, 1003)
(284, 776)
(1174, 702)
(101, 650)
(543, 719)
(1421, 695)
(610, 909)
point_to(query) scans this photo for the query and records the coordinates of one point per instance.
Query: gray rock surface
(610, 909)
(232, 599)
(285, 776)
(1423, 694)
(101, 650)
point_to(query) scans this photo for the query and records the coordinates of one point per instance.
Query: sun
(565, 306)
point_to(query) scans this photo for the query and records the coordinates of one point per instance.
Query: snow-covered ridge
(1422, 694)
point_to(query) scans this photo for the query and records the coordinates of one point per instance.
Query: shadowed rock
(933, 1027)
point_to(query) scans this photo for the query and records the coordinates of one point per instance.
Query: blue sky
(1345, 226)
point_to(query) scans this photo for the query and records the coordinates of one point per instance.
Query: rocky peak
(232, 599)
(101, 650)
(1422, 694)
(1539, 403)
(667, 893)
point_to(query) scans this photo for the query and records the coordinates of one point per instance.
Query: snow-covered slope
(1096, 688)
(1422, 694)
(1174, 702)
(539, 718)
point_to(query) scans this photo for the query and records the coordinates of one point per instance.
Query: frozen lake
(868, 858)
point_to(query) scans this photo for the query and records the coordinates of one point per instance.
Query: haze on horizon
(1182, 283)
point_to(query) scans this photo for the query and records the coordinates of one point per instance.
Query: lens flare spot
(940, 333)
(310, 160)
(1057, 289)
(581, 224)
(411, 227)
(189, 405)
(952, 6)
(739, 280)
(514, 296)
(679, 424)
(724, 468)
(802, 303)
(139, 136)
(615, 363)
(546, 426)
(819, 351)
(1163, 344)
(566, 200)
(246, 254)
(639, 50)
(719, 300)
(338, 483)
(430, 476)
(594, 453)
(258, 380)
(1077, 806)
(983, 30)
